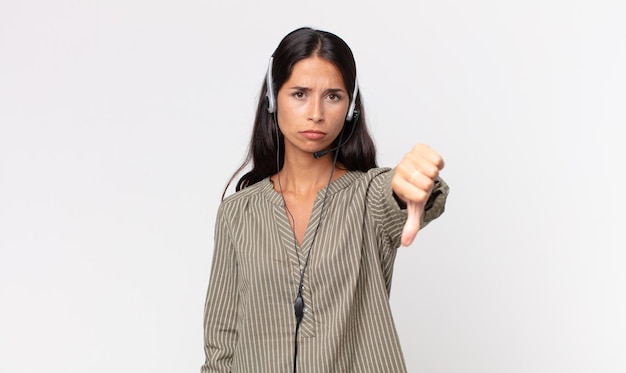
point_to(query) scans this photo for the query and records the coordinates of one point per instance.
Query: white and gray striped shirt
(347, 326)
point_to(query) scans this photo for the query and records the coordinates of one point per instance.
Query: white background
(120, 122)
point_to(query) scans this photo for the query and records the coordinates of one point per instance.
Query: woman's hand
(413, 182)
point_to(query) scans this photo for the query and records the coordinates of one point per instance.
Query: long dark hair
(358, 153)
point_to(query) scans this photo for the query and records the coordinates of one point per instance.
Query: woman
(304, 250)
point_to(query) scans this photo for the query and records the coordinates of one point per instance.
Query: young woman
(304, 249)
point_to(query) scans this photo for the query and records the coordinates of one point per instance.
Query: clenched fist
(413, 183)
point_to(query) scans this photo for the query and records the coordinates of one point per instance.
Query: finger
(409, 192)
(424, 164)
(412, 224)
(421, 181)
(435, 159)
(427, 153)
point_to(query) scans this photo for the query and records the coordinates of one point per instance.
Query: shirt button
(305, 310)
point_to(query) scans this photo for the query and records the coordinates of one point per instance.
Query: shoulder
(380, 173)
(378, 178)
(239, 201)
(245, 193)
(377, 174)
(358, 183)
(373, 186)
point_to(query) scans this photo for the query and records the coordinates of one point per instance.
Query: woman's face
(312, 106)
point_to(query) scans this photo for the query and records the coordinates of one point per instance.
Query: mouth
(313, 134)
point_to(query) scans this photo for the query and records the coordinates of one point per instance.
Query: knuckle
(419, 147)
(438, 160)
(420, 196)
(429, 184)
(410, 158)
(432, 172)
(394, 182)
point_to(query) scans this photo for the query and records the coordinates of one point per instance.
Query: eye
(298, 94)
(334, 97)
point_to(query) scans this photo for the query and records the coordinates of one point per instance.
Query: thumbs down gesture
(413, 183)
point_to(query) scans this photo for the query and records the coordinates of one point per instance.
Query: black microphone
(298, 307)
(322, 153)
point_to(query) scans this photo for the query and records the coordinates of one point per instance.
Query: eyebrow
(307, 89)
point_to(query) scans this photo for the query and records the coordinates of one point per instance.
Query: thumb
(412, 224)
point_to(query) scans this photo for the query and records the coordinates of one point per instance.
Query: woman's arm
(220, 310)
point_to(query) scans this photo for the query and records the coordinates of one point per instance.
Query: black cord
(299, 301)
(299, 311)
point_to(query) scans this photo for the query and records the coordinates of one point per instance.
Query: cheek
(286, 120)
(340, 112)
(288, 111)
(337, 126)
(338, 118)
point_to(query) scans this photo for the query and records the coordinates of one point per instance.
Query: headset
(270, 96)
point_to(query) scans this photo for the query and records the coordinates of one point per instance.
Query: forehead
(316, 71)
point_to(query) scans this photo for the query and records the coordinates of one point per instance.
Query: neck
(304, 174)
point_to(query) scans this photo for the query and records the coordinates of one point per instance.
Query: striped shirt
(347, 325)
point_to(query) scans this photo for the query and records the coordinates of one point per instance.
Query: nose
(316, 110)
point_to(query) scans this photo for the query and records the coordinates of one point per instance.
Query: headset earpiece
(355, 116)
(351, 109)
(270, 98)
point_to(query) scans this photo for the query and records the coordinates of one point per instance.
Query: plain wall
(121, 121)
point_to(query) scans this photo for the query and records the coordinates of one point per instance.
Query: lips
(313, 135)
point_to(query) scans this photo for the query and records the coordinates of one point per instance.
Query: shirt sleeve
(220, 311)
(435, 206)
(384, 208)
